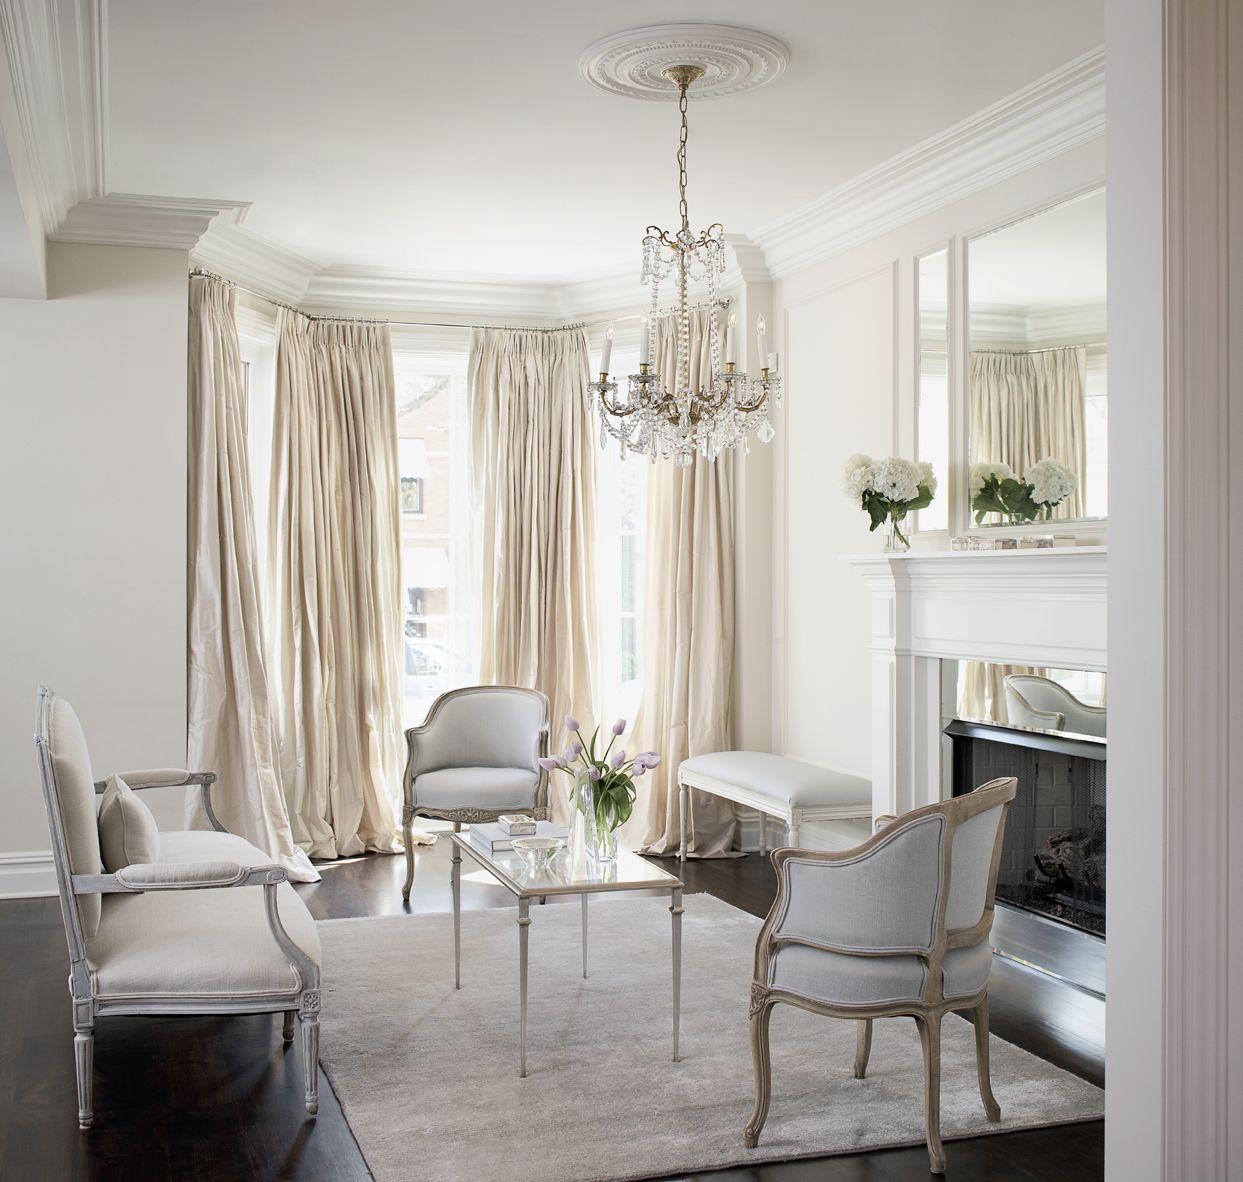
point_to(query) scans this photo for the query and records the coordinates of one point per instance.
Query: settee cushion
(212, 943)
(790, 781)
(476, 787)
(128, 833)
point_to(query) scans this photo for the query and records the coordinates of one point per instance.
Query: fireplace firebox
(1053, 856)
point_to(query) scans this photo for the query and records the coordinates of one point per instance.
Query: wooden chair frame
(301, 1001)
(463, 816)
(929, 1011)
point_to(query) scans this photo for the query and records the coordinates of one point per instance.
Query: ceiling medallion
(676, 412)
(635, 62)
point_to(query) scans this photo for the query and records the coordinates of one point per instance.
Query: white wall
(93, 488)
(848, 331)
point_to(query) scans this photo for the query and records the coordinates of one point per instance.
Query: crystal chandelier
(725, 405)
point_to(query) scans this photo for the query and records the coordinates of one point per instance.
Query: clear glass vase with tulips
(602, 783)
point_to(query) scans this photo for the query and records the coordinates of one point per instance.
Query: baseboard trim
(27, 874)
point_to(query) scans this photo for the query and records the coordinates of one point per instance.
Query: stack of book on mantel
(491, 837)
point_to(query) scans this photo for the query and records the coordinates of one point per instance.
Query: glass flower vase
(896, 542)
(606, 842)
(581, 843)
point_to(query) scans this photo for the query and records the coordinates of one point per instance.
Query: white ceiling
(439, 138)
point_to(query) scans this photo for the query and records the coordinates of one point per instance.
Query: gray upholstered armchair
(169, 935)
(1041, 702)
(474, 758)
(896, 926)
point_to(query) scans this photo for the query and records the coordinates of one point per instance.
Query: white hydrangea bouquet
(888, 490)
(996, 489)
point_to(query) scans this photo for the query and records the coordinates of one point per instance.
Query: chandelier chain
(682, 208)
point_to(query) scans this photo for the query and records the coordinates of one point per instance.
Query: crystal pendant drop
(766, 432)
(685, 458)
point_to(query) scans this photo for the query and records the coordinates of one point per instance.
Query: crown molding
(1054, 115)
(267, 268)
(140, 219)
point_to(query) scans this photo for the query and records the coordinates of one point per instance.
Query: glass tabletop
(566, 877)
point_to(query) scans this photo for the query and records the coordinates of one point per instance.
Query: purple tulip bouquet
(604, 781)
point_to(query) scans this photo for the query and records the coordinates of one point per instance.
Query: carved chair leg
(930, 1041)
(863, 1046)
(287, 1026)
(761, 1060)
(310, 1059)
(84, 1063)
(991, 1107)
(407, 829)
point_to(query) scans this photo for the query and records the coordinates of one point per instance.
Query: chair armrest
(172, 778)
(177, 876)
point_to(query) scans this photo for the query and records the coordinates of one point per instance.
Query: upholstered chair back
(1030, 698)
(482, 726)
(929, 875)
(69, 795)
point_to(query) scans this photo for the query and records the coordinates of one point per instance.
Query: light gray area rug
(428, 1077)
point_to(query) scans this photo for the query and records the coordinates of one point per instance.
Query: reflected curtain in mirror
(1029, 406)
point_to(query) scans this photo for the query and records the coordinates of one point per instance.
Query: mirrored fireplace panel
(1033, 697)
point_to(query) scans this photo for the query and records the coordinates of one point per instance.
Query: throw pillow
(128, 833)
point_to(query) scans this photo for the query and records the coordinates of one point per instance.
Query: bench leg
(763, 834)
(684, 794)
(793, 831)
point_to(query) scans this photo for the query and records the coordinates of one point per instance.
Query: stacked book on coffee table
(495, 837)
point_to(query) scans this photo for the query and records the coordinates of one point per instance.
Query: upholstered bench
(774, 786)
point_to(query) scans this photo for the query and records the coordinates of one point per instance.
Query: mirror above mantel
(1036, 365)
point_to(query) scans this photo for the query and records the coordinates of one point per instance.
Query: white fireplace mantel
(1022, 607)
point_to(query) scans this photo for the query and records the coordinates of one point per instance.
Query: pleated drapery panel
(688, 628)
(335, 571)
(231, 726)
(533, 472)
(1026, 407)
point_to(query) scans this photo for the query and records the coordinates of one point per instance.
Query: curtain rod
(724, 302)
(1049, 349)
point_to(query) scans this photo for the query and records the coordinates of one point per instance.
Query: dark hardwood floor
(219, 1100)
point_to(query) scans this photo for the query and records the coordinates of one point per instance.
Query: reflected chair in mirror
(1042, 703)
(896, 927)
(169, 935)
(475, 757)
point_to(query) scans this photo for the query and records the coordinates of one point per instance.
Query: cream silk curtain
(533, 472)
(1026, 407)
(688, 629)
(335, 566)
(231, 728)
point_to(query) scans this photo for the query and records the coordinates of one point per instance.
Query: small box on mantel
(516, 824)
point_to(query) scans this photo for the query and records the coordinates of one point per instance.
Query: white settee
(169, 936)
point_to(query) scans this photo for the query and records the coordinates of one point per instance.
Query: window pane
(437, 649)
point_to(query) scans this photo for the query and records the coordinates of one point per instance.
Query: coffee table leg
(675, 909)
(524, 922)
(584, 898)
(457, 918)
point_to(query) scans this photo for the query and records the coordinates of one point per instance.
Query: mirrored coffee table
(583, 877)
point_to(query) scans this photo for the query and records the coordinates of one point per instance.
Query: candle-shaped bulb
(761, 341)
(731, 338)
(645, 339)
(607, 356)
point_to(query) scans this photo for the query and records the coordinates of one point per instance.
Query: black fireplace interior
(1053, 856)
